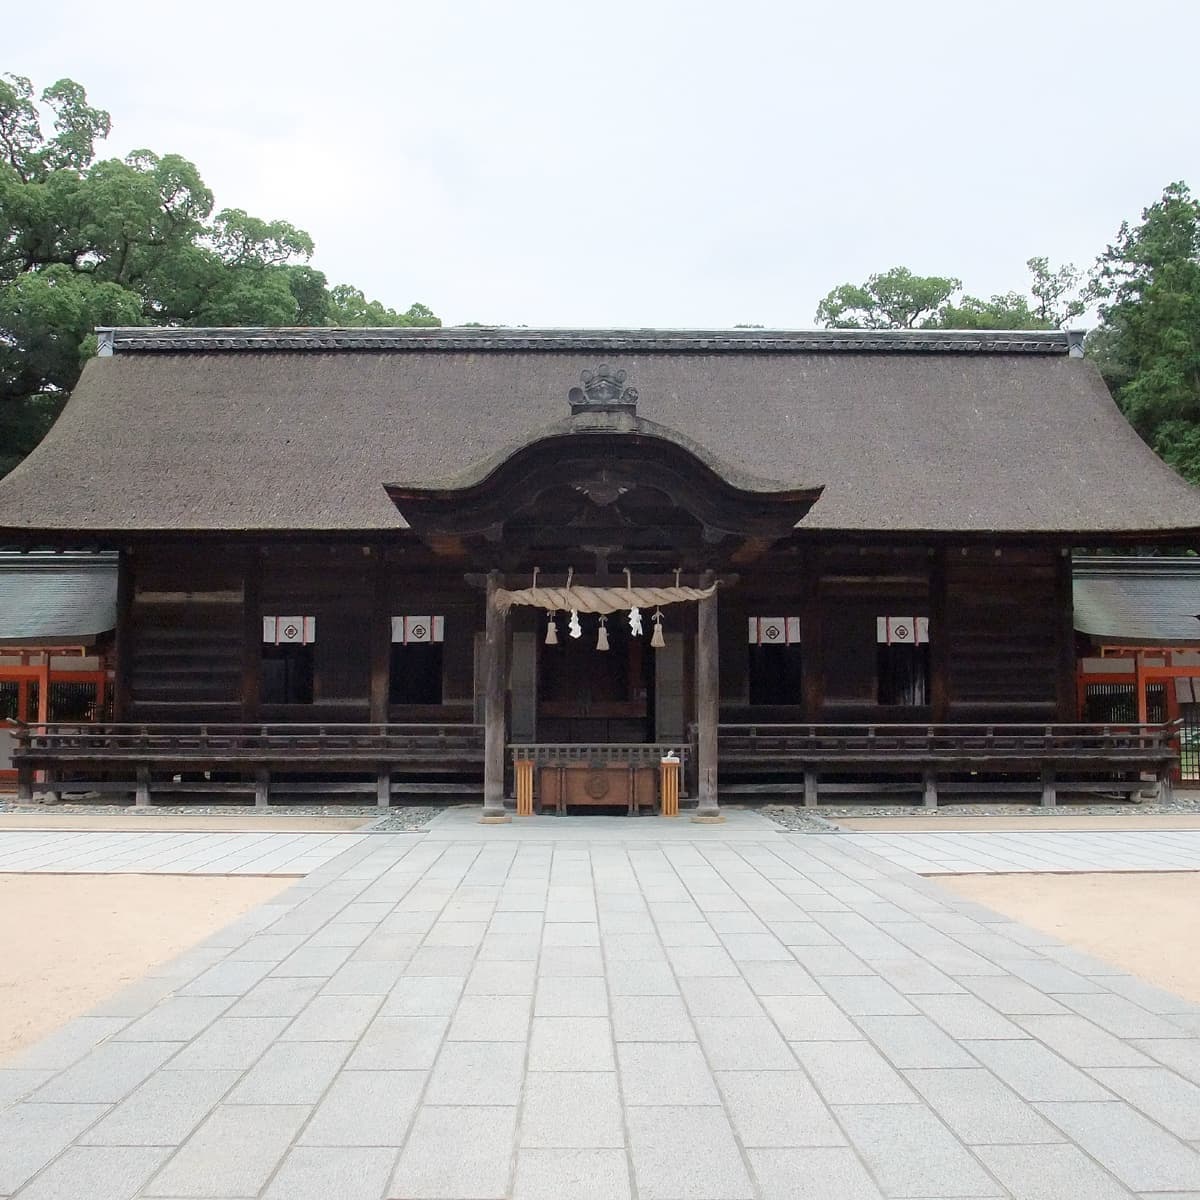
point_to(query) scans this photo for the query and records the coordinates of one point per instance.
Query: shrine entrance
(587, 694)
(651, 521)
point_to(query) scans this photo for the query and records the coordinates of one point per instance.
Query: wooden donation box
(597, 785)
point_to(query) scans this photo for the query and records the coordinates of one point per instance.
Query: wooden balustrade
(227, 757)
(778, 759)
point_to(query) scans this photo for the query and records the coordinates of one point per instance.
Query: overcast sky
(687, 164)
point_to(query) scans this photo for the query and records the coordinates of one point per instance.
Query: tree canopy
(1147, 289)
(87, 242)
(899, 299)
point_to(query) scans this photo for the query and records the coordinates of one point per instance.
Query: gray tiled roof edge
(959, 341)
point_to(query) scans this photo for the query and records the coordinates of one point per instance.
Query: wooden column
(43, 710)
(939, 639)
(381, 644)
(493, 664)
(813, 670)
(123, 649)
(1064, 597)
(252, 638)
(707, 707)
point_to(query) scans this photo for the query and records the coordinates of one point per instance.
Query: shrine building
(408, 562)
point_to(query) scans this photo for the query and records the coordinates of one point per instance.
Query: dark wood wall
(191, 637)
(190, 633)
(181, 653)
(1003, 634)
(1000, 631)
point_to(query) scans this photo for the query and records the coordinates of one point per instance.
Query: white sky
(687, 164)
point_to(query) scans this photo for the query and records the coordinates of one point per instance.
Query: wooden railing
(146, 742)
(985, 759)
(623, 754)
(431, 759)
(929, 742)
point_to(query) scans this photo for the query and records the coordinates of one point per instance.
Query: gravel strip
(404, 820)
(191, 810)
(801, 820)
(798, 820)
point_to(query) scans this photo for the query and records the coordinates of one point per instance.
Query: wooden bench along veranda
(766, 760)
(424, 759)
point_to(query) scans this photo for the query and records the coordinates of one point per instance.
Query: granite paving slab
(610, 1008)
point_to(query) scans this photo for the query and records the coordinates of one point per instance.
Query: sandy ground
(69, 941)
(981, 824)
(1147, 923)
(182, 823)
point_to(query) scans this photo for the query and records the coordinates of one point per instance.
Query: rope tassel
(602, 637)
(551, 631)
(656, 638)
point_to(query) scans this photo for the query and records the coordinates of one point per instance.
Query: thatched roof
(57, 599)
(257, 430)
(1138, 601)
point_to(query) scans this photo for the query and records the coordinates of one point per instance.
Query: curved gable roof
(246, 430)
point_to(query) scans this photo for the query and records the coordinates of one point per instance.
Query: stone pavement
(560, 1010)
(164, 853)
(1037, 850)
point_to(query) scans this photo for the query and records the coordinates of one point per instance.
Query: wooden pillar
(939, 639)
(381, 643)
(1064, 598)
(495, 646)
(1139, 686)
(813, 670)
(929, 778)
(1049, 788)
(252, 639)
(262, 788)
(142, 793)
(707, 707)
(812, 790)
(123, 648)
(383, 787)
(43, 709)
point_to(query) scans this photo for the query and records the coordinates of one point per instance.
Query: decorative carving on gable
(603, 390)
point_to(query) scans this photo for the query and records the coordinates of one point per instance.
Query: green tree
(1147, 288)
(898, 299)
(349, 307)
(87, 242)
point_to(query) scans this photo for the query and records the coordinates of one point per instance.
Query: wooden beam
(707, 709)
(493, 664)
(123, 647)
(1064, 599)
(381, 644)
(929, 779)
(812, 645)
(142, 793)
(43, 710)
(1049, 788)
(939, 638)
(252, 637)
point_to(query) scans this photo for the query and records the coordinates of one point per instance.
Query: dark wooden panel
(1002, 623)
